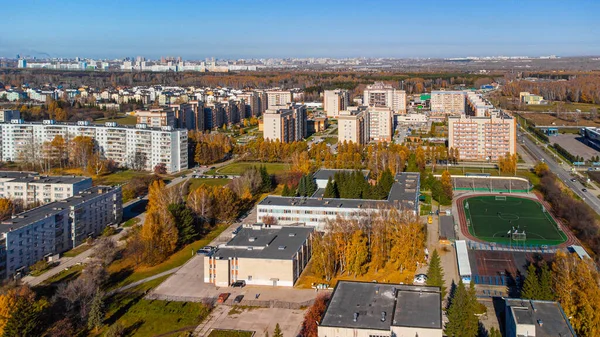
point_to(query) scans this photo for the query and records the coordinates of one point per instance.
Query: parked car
(238, 284)
(223, 297)
(204, 251)
(573, 179)
(420, 279)
(584, 190)
(238, 299)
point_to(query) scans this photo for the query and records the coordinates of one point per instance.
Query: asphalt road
(563, 173)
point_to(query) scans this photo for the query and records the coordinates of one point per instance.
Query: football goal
(519, 236)
(500, 198)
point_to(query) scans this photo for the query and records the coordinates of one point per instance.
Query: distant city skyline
(265, 29)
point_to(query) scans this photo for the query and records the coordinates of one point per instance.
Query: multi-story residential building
(482, 138)
(448, 102)
(189, 116)
(278, 98)
(253, 103)
(56, 227)
(7, 115)
(477, 106)
(35, 189)
(380, 124)
(285, 125)
(22, 63)
(353, 126)
(156, 117)
(13, 95)
(141, 146)
(261, 255)
(316, 211)
(335, 101)
(382, 95)
(367, 309)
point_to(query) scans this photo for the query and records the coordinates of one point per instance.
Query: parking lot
(574, 144)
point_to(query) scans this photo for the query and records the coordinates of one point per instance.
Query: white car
(420, 279)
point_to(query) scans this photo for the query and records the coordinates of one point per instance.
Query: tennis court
(511, 220)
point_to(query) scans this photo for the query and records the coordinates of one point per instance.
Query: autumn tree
(313, 315)
(6, 208)
(81, 150)
(357, 254)
(540, 169)
(446, 181)
(25, 316)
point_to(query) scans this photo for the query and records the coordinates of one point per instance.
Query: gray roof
(51, 179)
(16, 174)
(25, 218)
(325, 174)
(260, 242)
(447, 227)
(403, 305)
(321, 202)
(550, 314)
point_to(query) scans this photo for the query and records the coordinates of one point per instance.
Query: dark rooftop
(15, 174)
(51, 179)
(547, 317)
(381, 305)
(25, 218)
(321, 202)
(447, 227)
(261, 242)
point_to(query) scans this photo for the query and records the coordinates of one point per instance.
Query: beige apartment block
(380, 124)
(447, 102)
(278, 98)
(156, 117)
(335, 101)
(383, 95)
(482, 138)
(353, 126)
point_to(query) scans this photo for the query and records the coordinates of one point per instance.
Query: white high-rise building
(380, 124)
(482, 138)
(335, 101)
(276, 99)
(448, 102)
(383, 95)
(140, 146)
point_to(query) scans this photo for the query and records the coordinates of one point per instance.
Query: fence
(533, 248)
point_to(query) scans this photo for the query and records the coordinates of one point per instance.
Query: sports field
(511, 220)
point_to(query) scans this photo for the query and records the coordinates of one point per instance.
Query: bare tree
(106, 250)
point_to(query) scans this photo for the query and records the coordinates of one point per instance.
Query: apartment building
(335, 101)
(260, 255)
(316, 211)
(189, 116)
(7, 115)
(447, 102)
(141, 146)
(368, 309)
(35, 189)
(482, 138)
(285, 125)
(278, 98)
(156, 118)
(380, 124)
(253, 104)
(353, 126)
(383, 95)
(477, 106)
(56, 227)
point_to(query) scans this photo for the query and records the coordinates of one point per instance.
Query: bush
(109, 231)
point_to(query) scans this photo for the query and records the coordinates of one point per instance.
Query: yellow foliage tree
(159, 233)
(6, 208)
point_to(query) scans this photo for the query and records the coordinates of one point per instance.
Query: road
(563, 173)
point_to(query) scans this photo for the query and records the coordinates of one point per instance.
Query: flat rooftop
(275, 200)
(25, 218)
(15, 174)
(259, 242)
(50, 179)
(548, 313)
(364, 305)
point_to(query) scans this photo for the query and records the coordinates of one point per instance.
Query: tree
(331, 190)
(277, 332)
(447, 184)
(184, 221)
(286, 191)
(6, 208)
(116, 330)
(25, 315)
(435, 273)
(462, 321)
(357, 254)
(81, 150)
(96, 316)
(546, 292)
(531, 286)
(106, 250)
(160, 168)
(541, 169)
(313, 315)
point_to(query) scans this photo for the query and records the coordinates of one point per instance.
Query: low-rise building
(529, 98)
(155, 117)
(536, 318)
(260, 255)
(35, 189)
(366, 309)
(56, 227)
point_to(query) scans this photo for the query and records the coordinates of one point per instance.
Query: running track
(462, 218)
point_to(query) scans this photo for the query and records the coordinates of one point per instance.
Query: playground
(511, 220)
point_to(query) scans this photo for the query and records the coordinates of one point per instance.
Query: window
(249, 277)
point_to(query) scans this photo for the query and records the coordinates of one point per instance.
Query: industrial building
(367, 309)
(260, 255)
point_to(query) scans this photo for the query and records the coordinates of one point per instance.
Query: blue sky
(305, 28)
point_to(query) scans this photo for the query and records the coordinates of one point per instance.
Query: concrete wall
(325, 331)
(400, 331)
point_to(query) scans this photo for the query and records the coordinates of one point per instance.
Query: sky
(307, 28)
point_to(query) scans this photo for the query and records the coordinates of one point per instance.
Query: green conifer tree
(435, 273)
(546, 291)
(531, 286)
(286, 191)
(277, 332)
(96, 315)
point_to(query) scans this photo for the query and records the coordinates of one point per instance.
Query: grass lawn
(331, 140)
(130, 222)
(124, 271)
(143, 317)
(584, 107)
(77, 250)
(389, 274)
(239, 167)
(491, 220)
(122, 120)
(120, 177)
(65, 275)
(230, 333)
(197, 182)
